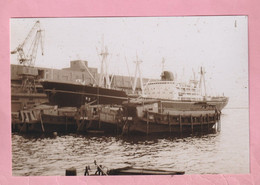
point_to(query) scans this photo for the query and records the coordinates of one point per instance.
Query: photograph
(102, 96)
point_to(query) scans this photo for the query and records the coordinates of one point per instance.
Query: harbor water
(225, 152)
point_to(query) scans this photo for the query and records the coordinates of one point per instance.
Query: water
(226, 152)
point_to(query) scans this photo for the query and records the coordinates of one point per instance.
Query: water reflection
(48, 154)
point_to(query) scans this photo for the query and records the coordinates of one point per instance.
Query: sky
(218, 43)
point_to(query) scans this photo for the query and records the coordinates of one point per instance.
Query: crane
(35, 36)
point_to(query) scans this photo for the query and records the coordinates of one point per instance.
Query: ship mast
(129, 73)
(202, 80)
(137, 70)
(104, 80)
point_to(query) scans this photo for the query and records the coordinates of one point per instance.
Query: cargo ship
(79, 92)
(178, 95)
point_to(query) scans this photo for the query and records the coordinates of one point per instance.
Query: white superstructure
(167, 88)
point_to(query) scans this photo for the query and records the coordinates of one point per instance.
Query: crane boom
(35, 45)
(30, 57)
(35, 27)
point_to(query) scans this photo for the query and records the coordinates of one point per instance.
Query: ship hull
(141, 127)
(75, 95)
(220, 103)
(187, 105)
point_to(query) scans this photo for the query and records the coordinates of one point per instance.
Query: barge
(45, 119)
(151, 117)
(148, 117)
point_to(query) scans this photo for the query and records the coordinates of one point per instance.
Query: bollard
(71, 172)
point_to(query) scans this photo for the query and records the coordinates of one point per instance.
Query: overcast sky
(218, 43)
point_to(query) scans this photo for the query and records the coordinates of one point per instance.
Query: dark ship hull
(74, 95)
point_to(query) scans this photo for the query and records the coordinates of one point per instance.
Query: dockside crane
(32, 41)
(26, 56)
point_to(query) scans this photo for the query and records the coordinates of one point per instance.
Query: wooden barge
(153, 117)
(149, 117)
(100, 119)
(45, 118)
(136, 117)
(61, 120)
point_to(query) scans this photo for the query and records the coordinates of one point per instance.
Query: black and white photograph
(98, 96)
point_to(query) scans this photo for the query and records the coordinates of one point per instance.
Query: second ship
(174, 94)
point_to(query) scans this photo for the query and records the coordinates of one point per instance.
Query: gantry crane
(34, 38)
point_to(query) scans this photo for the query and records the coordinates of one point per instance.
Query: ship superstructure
(171, 90)
(168, 88)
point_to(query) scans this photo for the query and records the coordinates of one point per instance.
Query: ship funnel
(167, 76)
